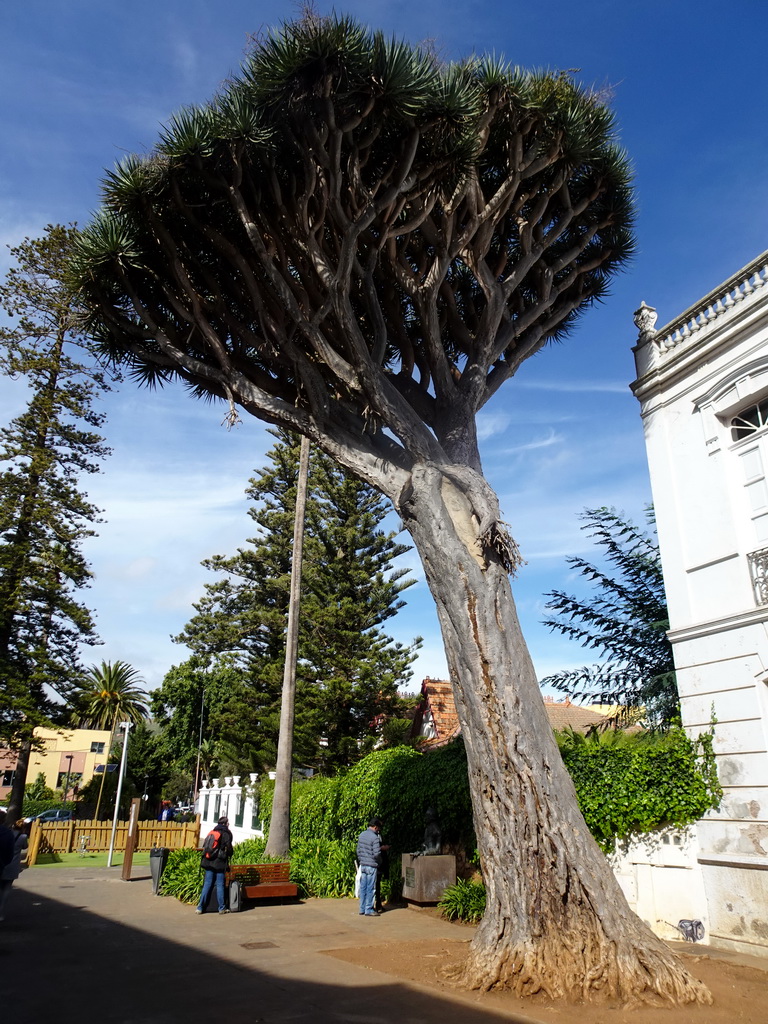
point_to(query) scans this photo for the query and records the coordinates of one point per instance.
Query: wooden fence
(94, 836)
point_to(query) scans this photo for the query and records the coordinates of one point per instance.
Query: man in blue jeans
(217, 850)
(369, 858)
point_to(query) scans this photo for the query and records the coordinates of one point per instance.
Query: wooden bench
(262, 881)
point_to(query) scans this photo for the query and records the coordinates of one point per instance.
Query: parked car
(53, 814)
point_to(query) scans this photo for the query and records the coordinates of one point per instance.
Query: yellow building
(75, 752)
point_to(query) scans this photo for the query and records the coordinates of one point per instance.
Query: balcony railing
(758, 570)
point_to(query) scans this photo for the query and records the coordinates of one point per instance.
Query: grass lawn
(90, 860)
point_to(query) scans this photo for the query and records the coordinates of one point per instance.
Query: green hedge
(630, 784)
(625, 785)
(398, 785)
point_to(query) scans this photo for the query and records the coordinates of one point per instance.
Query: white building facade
(238, 802)
(702, 384)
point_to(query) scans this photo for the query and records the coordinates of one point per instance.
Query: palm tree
(109, 693)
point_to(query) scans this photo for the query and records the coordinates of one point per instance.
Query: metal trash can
(235, 897)
(158, 858)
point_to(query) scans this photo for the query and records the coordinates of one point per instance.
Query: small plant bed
(259, 882)
(464, 901)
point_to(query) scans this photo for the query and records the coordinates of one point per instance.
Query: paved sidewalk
(80, 945)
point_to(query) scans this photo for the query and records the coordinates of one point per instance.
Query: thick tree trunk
(16, 801)
(556, 920)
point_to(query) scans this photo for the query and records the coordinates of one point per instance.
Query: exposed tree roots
(583, 971)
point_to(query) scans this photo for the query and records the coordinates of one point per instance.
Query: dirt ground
(740, 992)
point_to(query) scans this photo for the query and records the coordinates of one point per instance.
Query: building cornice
(701, 629)
(707, 323)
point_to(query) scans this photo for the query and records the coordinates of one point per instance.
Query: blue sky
(84, 82)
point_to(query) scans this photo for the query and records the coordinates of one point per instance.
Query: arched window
(750, 420)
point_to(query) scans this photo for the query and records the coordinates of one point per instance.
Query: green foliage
(250, 851)
(627, 784)
(348, 670)
(398, 785)
(630, 784)
(464, 901)
(183, 876)
(110, 693)
(340, 155)
(323, 867)
(44, 517)
(197, 699)
(626, 622)
(38, 790)
(44, 803)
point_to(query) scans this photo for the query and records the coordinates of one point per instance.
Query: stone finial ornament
(645, 320)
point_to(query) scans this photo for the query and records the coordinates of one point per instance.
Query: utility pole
(68, 758)
(126, 726)
(199, 745)
(279, 841)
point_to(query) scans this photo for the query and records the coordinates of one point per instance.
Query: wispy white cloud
(552, 438)
(490, 424)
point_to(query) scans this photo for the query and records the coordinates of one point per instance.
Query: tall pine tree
(44, 516)
(349, 670)
(625, 621)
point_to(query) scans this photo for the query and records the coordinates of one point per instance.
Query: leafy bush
(32, 807)
(464, 901)
(39, 790)
(183, 876)
(628, 784)
(323, 867)
(250, 851)
(398, 785)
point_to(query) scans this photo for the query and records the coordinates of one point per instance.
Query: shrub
(464, 901)
(628, 784)
(250, 851)
(183, 876)
(323, 867)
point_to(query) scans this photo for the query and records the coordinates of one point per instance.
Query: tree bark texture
(556, 920)
(20, 772)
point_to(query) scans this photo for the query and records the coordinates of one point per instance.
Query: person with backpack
(217, 849)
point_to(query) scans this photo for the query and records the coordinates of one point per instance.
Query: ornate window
(749, 434)
(749, 421)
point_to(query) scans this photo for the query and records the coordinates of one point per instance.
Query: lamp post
(126, 726)
(68, 758)
(199, 745)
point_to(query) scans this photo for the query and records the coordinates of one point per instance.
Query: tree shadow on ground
(66, 963)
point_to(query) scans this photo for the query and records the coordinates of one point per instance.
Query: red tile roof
(437, 713)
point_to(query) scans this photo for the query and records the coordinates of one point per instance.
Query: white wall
(712, 512)
(238, 802)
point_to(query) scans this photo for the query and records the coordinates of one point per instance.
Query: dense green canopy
(355, 230)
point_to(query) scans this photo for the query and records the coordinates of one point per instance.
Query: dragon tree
(363, 244)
